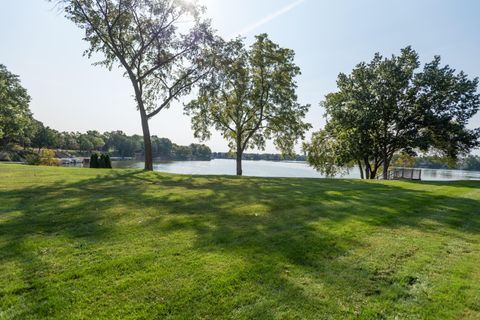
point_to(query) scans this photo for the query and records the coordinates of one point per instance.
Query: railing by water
(404, 174)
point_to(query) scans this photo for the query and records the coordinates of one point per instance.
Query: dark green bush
(102, 161)
(15, 156)
(32, 159)
(108, 162)
(94, 163)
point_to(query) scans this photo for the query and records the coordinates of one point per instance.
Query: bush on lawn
(102, 161)
(94, 161)
(47, 158)
(107, 161)
(32, 159)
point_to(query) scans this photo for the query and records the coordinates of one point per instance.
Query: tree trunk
(367, 169)
(239, 161)
(385, 166)
(240, 149)
(361, 169)
(146, 141)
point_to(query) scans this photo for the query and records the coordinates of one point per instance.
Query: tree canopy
(250, 98)
(388, 105)
(45, 137)
(15, 115)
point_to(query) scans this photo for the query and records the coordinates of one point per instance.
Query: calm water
(276, 169)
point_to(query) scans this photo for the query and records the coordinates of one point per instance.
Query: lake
(276, 169)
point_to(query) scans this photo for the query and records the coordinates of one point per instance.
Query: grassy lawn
(85, 243)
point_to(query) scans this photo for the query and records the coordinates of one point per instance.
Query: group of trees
(470, 162)
(18, 126)
(389, 106)
(165, 48)
(144, 39)
(117, 143)
(248, 94)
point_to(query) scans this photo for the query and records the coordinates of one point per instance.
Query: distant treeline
(258, 156)
(116, 143)
(470, 162)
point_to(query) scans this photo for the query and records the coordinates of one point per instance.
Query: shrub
(102, 161)
(32, 159)
(47, 158)
(94, 161)
(108, 162)
(15, 156)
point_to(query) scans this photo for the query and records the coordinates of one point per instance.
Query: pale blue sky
(45, 49)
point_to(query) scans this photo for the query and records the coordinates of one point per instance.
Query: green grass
(124, 244)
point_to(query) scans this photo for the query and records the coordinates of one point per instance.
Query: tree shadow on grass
(454, 183)
(279, 227)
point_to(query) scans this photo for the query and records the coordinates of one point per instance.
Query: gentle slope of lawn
(83, 244)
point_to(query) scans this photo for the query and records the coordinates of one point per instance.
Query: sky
(70, 94)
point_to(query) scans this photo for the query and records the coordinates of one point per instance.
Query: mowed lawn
(125, 244)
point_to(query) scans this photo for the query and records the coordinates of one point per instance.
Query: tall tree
(201, 152)
(162, 147)
(119, 142)
(85, 142)
(388, 106)
(96, 138)
(158, 43)
(45, 137)
(69, 141)
(251, 98)
(15, 115)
